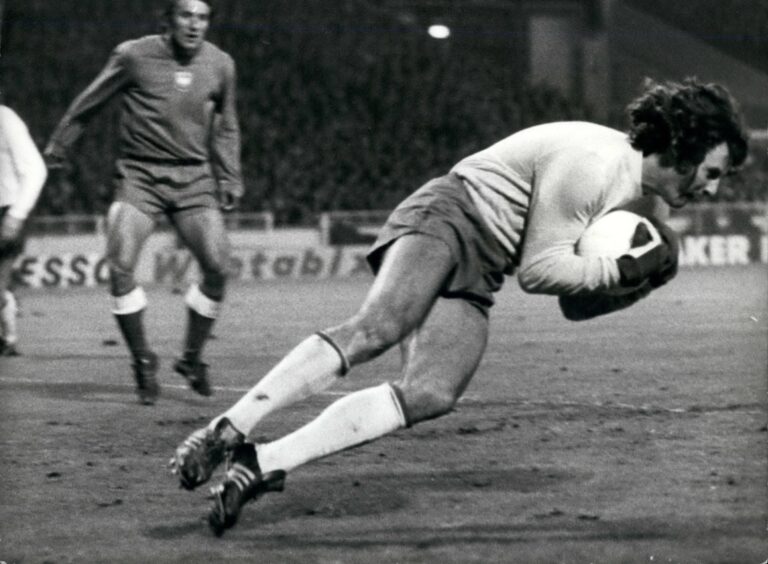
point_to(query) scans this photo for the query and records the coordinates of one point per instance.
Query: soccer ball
(611, 236)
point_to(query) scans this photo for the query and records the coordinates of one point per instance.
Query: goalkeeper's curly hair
(683, 121)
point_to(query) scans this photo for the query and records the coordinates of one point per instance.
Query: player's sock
(310, 367)
(8, 319)
(202, 312)
(129, 312)
(358, 418)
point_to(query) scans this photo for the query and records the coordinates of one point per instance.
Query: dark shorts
(442, 208)
(11, 249)
(161, 188)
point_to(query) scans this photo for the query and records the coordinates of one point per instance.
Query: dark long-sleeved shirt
(172, 110)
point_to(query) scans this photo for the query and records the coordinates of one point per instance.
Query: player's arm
(580, 307)
(652, 258)
(650, 263)
(569, 192)
(111, 80)
(562, 205)
(30, 170)
(225, 146)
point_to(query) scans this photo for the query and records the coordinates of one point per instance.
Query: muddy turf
(639, 437)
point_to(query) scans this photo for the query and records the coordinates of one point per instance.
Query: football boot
(201, 452)
(243, 482)
(196, 375)
(8, 349)
(144, 369)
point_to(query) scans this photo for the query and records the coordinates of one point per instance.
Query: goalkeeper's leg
(442, 357)
(397, 303)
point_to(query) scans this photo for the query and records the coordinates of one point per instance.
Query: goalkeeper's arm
(580, 307)
(650, 259)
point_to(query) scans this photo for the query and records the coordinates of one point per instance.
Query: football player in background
(22, 176)
(519, 205)
(179, 156)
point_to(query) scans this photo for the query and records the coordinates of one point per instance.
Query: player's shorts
(11, 249)
(443, 208)
(164, 187)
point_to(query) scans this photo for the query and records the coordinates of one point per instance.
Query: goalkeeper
(519, 205)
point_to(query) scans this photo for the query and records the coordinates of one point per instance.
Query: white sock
(357, 418)
(8, 319)
(309, 368)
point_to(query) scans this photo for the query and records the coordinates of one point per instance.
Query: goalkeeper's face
(189, 23)
(682, 188)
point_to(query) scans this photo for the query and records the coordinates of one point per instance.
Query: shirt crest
(182, 80)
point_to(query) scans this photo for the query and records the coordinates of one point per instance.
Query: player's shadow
(562, 527)
(374, 494)
(71, 391)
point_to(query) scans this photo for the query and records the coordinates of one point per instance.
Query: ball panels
(611, 235)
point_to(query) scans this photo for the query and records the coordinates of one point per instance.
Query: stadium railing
(360, 227)
(72, 224)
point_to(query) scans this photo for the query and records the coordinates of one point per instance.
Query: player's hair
(683, 121)
(170, 6)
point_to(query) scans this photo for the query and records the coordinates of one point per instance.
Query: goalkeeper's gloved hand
(651, 258)
(580, 307)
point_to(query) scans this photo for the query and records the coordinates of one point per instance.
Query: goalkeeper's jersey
(172, 110)
(538, 189)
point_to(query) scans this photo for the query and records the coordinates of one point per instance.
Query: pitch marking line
(338, 393)
(120, 385)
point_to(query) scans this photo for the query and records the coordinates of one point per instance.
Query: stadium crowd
(343, 108)
(734, 26)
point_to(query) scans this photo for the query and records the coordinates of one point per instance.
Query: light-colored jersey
(171, 110)
(22, 170)
(540, 188)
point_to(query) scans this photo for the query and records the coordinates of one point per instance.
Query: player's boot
(244, 482)
(195, 373)
(8, 349)
(144, 369)
(201, 452)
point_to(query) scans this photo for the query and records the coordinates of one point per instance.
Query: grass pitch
(638, 437)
